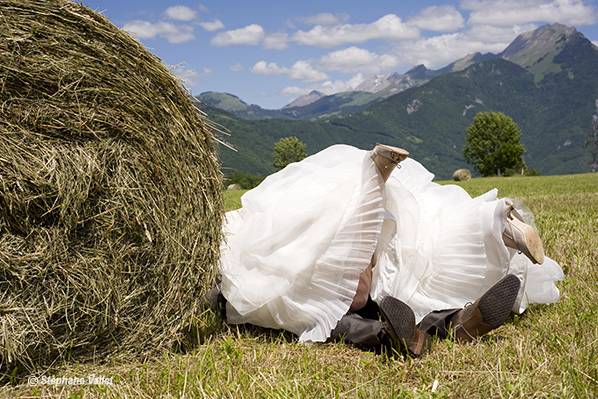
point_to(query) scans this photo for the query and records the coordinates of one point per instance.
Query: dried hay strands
(110, 191)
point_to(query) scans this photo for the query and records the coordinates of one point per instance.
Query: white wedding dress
(293, 253)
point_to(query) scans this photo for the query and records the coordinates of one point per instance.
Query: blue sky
(270, 52)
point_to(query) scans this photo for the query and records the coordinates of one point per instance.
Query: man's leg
(396, 332)
(438, 322)
(366, 334)
(490, 311)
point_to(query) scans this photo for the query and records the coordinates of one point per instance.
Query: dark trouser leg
(355, 330)
(438, 322)
(362, 328)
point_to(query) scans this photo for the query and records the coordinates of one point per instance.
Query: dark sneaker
(487, 313)
(214, 300)
(399, 324)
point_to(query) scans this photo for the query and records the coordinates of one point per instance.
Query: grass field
(550, 351)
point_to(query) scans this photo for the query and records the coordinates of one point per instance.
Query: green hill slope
(554, 112)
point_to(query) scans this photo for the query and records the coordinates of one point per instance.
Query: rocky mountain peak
(306, 99)
(530, 47)
(374, 84)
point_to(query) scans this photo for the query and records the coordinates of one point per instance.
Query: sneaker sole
(496, 304)
(401, 319)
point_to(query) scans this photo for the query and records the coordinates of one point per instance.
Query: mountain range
(546, 80)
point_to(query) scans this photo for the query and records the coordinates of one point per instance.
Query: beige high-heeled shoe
(387, 157)
(523, 237)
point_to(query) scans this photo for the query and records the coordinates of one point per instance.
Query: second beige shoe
(523, 237)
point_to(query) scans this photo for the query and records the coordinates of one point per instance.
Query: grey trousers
(365, 330)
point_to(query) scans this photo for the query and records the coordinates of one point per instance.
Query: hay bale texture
(110, 204)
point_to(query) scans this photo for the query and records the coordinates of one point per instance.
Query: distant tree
(288, 150)
(493, 144)
(244, 179)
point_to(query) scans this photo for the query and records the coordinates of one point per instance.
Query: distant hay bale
(234, 186)
(461, 175)
(110, 203)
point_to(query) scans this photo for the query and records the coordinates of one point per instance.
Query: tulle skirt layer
(448, 249)
(294, 251)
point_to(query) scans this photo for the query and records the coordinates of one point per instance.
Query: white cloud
(250, 35)
(438, 18)
(388, 27)
(440, 50)
(497, 34)
(187, 75)
(276, 41)
(327, 87)
(268, 68)
(337, 86)
(295, 91)
(211, 26)
(325, 18)
(180, 13)
(301, 70)
(509, 12)
(355, 59)
(169, 31)
(236, 67)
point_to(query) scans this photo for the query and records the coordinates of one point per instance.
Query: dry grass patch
(549, 352)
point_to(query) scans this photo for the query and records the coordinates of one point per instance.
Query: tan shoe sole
(527, 240)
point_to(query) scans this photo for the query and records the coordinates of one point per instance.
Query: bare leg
(386, 158)
(363, 288)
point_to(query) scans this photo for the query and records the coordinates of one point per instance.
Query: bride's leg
(386, 158)
(363, 288)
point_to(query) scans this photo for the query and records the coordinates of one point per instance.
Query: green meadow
(551, 351)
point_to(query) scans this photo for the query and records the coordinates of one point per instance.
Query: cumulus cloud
(187, 75)
(497, 34)
(180, 13)
(388, 27)
(327, 87)
(355, 59)
(337, 86)
(268, 68)
(250, 35)
(211, 26)
(295, 91)
(509, 12)
(276, 41)
(301, 70)
(325, 18)
(440, 50)
(171, 32)
(438, 18)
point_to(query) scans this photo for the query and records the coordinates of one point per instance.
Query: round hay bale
(461, 175)
(234, 186)
(110, 191)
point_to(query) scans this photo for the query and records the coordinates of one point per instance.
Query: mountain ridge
(554, 113)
